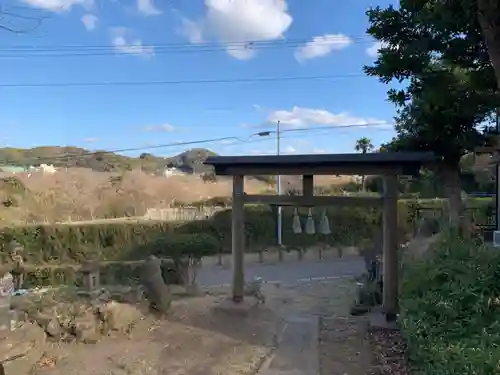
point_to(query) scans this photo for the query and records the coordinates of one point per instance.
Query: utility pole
(279, 235)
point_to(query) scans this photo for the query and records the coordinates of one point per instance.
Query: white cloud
(147, 7)
(90, 140)
(160, 128)
(302, 117)
(320, 151)
(240, 22)
(262, 152)
(125, 44)
(227, 142)
(290, 150)
(58, 5)
(373, 50)
(192, 30)
(321, 46)
(89, 21)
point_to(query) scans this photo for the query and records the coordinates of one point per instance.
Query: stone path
(297, 352)
(320, 337)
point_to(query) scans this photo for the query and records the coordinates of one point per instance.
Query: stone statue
(157, 291)
(16, 251)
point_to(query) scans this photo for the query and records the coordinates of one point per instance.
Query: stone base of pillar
(228, 306)
(378, 320)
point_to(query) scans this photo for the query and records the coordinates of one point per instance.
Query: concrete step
(297, 351)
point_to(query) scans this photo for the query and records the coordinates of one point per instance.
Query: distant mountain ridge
(190, 161)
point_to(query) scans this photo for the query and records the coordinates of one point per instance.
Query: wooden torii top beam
(404, 163)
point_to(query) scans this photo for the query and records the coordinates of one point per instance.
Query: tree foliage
(450, 80)
(436, 51)
(364, 145)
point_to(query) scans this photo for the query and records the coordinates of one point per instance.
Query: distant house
(172, 171)
(45, 168)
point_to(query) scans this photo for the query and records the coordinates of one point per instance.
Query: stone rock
(50, 324)
(420, 246)
(6, 285)
(118, 316)
(86, 328)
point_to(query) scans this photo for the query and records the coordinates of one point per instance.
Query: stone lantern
(90, 274)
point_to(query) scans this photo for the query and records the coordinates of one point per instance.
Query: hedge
(450, 307)
(129, 240)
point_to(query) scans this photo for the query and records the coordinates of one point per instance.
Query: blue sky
(96, 41)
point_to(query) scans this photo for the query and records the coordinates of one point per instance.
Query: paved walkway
(287, 273)
(297, 353)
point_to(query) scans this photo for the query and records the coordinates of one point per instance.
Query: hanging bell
(310, 223)
(324, 224)
(297, 226)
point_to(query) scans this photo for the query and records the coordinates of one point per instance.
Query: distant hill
(190, 161)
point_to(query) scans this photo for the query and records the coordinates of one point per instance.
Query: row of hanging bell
(324, 223)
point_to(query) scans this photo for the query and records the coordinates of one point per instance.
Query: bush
(129, 240)
(450, 307)
(177, 246)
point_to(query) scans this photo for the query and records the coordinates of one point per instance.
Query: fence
(181, 213)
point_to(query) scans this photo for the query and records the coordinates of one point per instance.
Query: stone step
(297, 351)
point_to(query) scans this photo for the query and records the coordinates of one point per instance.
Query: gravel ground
(388, 353)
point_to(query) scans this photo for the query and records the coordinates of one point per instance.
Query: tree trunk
(489, 19)
(450, 176)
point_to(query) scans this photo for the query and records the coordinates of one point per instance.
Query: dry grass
(82, 194)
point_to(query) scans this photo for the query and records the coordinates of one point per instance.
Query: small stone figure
(254, 289)
(16, 251)
(6, 290)
(91, 282)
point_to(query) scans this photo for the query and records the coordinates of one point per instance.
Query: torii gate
(389, 165)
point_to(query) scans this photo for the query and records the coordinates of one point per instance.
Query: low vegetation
(450, 306)
(190, 161)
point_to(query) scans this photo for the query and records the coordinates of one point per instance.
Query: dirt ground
(196, 340)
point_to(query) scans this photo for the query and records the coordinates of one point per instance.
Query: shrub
(450, 307)
(119, 240)
(177, 246)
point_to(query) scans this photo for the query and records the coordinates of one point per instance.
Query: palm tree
(364, 145)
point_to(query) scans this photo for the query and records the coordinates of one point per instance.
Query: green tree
(447, 97)
(364, 145)
(488, 12)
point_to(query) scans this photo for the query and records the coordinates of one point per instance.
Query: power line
(248, 139)
(179, 47)
(181, 82)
